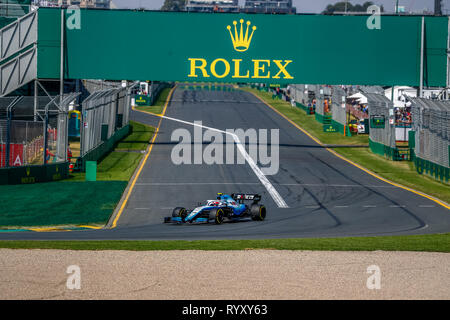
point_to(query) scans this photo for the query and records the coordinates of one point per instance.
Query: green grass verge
(430, 243)
(158, 106)
(138, 139)
(76, 201)
(400, 172)
(308, 122)
(59, 203)
(120, 164)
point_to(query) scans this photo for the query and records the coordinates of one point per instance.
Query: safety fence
(382, 138)
(430, 139)
(338, 110)
(33, 138)
(381, 130)
(156, 89)
(105, 119)
(104, 148)
(92, 86)
(26, 142)
(39, 141)
(426, 142)
(327, 103)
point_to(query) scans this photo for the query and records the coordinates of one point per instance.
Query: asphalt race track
(326, 196)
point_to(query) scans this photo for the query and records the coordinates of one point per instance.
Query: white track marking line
(266, 183)
(196, 183)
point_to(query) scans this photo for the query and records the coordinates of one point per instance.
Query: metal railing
(38, 142)
(14, 10)
(103, 113)
(431, 123)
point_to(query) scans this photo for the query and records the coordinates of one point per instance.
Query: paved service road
(325, 195)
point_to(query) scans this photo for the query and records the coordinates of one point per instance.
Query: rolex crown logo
(241, 42)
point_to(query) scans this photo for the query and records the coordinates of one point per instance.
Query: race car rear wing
(241, 197)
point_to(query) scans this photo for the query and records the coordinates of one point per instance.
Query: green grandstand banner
(279, 49)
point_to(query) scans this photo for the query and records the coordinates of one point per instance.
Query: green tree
(174, 5)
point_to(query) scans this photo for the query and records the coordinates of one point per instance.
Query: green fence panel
(91, 170)
(3, 176)
(330, 128)
(142, 100)
(56, 172)
(431, 169)
(412, 139)
(34, 174)
(339, 127)
(104, 133)
(319, 118)
(26, 175)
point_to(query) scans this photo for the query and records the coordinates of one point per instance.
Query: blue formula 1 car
(225, 207)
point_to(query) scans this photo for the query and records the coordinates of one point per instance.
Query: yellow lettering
(194, 66)
(237, 67)
(282, 69)
(262, 68)
(213, 68)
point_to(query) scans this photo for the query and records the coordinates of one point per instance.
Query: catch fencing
(105, 113)
(327, 102)
(299, 92)
(382, 133)
(338, 107)
(33, 142)
(431, 126)
(381, 130)
(26, 142)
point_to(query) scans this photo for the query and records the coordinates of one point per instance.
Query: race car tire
(217, 215)
(258, 212)
(179, 212)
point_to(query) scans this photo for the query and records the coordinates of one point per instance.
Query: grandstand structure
(92, 4)
(212, 6)
(269, 6)
(13, 9)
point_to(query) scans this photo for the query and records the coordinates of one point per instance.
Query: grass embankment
(400, 172)
(119, 165)
(430, 243)
(158, 106)
(59, 203)
(76, 201)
